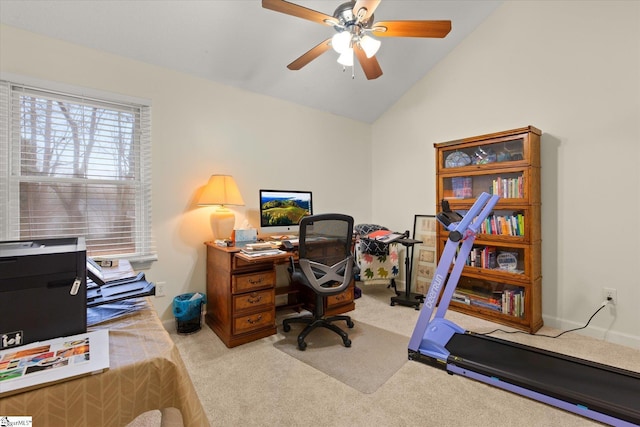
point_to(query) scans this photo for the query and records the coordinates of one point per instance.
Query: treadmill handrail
(467, 228)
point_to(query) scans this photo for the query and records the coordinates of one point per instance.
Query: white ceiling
(240, 44)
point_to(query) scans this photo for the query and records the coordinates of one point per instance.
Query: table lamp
(221, 191)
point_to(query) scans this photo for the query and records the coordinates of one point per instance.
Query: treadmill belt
(599, 387)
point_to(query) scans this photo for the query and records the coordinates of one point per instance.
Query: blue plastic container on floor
(187, 309)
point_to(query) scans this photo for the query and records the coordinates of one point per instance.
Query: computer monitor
(282, 210)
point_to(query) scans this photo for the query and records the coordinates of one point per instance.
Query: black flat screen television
(282, 210)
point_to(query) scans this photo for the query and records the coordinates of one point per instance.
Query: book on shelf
(461, 298)
(462, 187)
(504, 225)
(513, 302)
(508, 188)
(483, 257)
(478, 299)
(507, 301)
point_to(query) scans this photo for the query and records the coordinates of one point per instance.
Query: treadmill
(603, 393)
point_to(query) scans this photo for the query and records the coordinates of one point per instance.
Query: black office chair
(326, 266)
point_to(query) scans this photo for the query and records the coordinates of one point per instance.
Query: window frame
(10, 157)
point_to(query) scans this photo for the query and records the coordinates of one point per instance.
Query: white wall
(572, 69)
(569, 68)
(200, 128)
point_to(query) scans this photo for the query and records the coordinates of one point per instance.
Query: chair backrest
(325, 251)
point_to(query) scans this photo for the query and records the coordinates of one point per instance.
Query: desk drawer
(254, 321)
(239, 263)
(251, 300)
(344, 298)
(253, 281)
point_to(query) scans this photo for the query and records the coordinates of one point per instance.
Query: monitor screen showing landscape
(282, 210)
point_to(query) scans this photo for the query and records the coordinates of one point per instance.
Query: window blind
(76, 166)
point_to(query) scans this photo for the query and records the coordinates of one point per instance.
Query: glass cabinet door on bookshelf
(508, 151)
(502, 278)
(505, 225)
(493, 297)
(507, 185)
(511, 262)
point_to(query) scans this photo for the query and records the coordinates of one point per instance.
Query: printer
(43, 290)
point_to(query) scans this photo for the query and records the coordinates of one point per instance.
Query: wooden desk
(241, 295)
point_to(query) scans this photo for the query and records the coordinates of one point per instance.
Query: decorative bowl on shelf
(507, 261)
(457, 159)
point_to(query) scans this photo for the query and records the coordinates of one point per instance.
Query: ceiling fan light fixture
(370, 45)
(341, 41)
(346, 58)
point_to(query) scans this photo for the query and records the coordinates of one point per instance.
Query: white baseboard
(627, 340)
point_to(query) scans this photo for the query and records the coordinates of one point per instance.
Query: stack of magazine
(261, 249)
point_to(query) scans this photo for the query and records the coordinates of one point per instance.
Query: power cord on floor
(603, 305)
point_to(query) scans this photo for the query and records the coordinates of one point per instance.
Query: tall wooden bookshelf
(502, 278)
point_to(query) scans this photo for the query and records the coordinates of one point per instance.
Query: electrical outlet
(160, 289)
(610, 295)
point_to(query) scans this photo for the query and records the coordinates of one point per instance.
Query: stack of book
(483, 257)
(513, 302)
(509, 302)
(506, 225)
(478, 299)
(508, 188)
(462, 187)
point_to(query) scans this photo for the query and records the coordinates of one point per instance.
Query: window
(76, 166)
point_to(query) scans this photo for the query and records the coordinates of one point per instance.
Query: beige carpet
(375, 354)
(256, 385)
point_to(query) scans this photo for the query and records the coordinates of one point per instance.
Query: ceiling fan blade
(312, 54)
(369, 5)
(292, 9)
(437, 29)
(370, 66)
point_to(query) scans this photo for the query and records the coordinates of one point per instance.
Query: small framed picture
(424, 261)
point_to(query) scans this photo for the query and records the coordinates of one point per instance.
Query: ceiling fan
(353, 22)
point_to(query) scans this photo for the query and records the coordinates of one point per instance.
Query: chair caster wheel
(286, 327)
(347, 343)
(393, 303)
(302, 346)
(350, 324)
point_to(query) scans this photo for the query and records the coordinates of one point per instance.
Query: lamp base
(222, 222)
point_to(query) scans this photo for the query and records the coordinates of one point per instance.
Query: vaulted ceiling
(240, 44)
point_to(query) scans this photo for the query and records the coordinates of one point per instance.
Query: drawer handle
(255, 282)
(258, 319)
(341, 297)
(253, 299)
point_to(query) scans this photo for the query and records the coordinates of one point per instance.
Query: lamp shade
(221, 190)
(341, 41)
(369, 45)
(346, 58)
